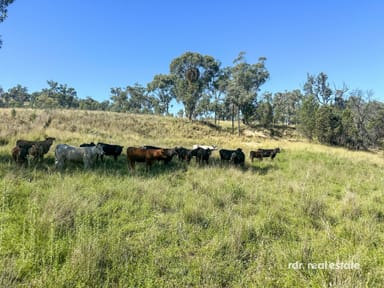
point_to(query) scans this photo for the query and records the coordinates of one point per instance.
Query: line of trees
(208, 90)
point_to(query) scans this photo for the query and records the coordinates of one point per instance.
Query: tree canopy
(189, 90)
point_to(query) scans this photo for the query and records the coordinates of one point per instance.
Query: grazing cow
(148, 156)
(45, 145)
(111, 150)
(211, 147)
(19, 154)
(261, 153)
(225, 154)
(201, 154)
(168, 151)
(234, 156)
(256, 154)
(238, 157)
(183, 154)
(87, 155)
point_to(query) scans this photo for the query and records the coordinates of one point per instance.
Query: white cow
(87, 155)
(205, 147)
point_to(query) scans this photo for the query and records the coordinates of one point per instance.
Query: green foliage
(244, 84)
(265, 114)
(328, 127)
(190, 92)
(354, 123)
(286, 107)
(318, 87)
(3, 12)
(307, 117)
(163, 87)
(3, 9)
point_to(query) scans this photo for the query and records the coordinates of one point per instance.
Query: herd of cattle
(87, 153)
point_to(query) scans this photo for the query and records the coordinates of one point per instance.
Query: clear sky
(94, 45)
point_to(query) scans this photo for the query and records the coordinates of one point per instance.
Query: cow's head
(99, 149)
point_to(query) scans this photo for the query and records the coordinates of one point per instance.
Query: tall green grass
(189, 225)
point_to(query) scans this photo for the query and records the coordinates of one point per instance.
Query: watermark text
(324, 265)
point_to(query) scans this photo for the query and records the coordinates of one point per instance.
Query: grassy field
(313, 217)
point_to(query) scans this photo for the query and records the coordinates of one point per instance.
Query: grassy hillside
(313, 217)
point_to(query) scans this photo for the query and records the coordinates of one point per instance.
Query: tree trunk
(238, 120)
(233, 118)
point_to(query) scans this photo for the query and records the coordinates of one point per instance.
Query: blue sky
(95, 45)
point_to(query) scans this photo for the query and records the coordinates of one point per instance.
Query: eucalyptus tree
(3, 12)
(318, 87)
(217, 89)
(286, 106)
(193, 72)
(55, 96)
(307, 113)
(243, 86)
(67, 96)
(138, 99)
(328, 125)
(89, 104)
(162, 88)
(366, 116)
(17, 96)
(264, 110)
(204, 106)
(119, 99)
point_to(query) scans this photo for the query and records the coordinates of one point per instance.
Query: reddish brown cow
(148, 156)
(20, 155)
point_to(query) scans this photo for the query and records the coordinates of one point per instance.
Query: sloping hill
(313, 217)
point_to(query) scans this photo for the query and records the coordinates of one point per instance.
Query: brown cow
(261, 153)
(20, 155)
(148, 156)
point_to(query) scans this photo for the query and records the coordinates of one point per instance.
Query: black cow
(201, 154)
(234, 156)
(183, 154)
(88, 144)
(111, 150)
(225, 154)
(238, 157)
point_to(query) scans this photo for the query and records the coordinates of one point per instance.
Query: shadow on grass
(6, 158)
(262, 170)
